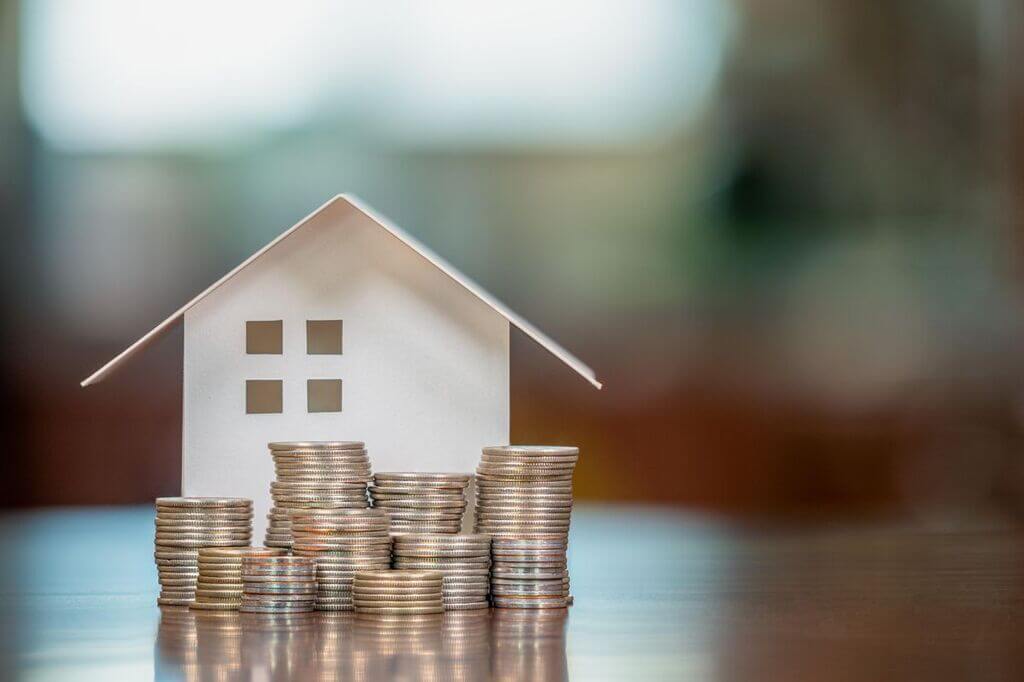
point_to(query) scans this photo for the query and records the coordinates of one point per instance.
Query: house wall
(425, 367)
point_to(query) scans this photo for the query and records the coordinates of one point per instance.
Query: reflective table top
(659, 595)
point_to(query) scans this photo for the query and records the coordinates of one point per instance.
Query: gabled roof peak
(408, 240)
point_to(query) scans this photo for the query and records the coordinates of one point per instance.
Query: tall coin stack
(183, 525)
(220, 576)
(463, 560)
(279, 584)
(315, 475)
(530, 573)
(397, 593)
(421, 502)
(341, 542)
(524, 492)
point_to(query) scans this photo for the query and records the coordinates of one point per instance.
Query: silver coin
(388, 504)
(203, 502)
(317, 489)
(445, 563)
(359, 594)
(278, 446)
(537, 542)
(528, 573)
(400, 611)
(431, 539)
(437, 550)
(486, 486)
(393, 576)
(297, 608)
(467, 579)
(203, 515)
(196, 543)
(422, 476)
(468, 607)
(529, 603)
(171, 593)
(532, 450)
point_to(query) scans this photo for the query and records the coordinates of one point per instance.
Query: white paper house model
(342, 328)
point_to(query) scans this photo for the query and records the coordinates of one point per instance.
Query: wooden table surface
(659, 595)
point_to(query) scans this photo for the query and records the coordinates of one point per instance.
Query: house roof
(497, 306)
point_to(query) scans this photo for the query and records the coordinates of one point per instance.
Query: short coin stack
(341, 542)
(421, 502)
(183, 525)
(463, 560)
(220, 576)
(530, 572)
(315, 475)
(397, 593)
(280, 584)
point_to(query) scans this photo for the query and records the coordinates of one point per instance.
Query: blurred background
(786, 233)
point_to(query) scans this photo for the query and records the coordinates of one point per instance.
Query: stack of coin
(421, 502)
(397, 593)
(183, 525)
(463, 560)
(315, 475)
(530, 573)
(525, 489)
(341, 542)
(220, 575)
(278, 584)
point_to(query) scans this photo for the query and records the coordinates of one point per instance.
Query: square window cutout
(323, 395)
(323, 337)
(263, 396)
(263, 338)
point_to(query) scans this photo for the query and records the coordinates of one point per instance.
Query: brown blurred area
(802, 292)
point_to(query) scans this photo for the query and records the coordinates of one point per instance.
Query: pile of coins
(523, 490)
(463, 560)
(278, 584)
(220, 576)
(530, 573)
(183, 525)
(341, 542)
(397, 593)
(421, 502)
(314, 475)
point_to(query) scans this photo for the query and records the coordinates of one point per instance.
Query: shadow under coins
(497, 644)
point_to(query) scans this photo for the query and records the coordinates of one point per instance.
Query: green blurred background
(786, 233)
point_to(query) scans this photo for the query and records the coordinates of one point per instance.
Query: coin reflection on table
(529, 644)
(484, 644)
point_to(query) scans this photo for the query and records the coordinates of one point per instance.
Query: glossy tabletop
(659, 595)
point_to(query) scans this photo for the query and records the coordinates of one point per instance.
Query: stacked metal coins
(530, 573)
(464, 561)
(183, 525)
(315, 475)
(341, 542)
(421, 502)
(279, 584)
(220, 576)
(524, 492)
(397, 593)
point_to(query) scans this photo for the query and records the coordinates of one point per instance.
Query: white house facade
(421, 373)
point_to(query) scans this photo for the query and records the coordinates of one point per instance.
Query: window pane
(323, 337)
(263, 396)
(263, 338)
(323, 395)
